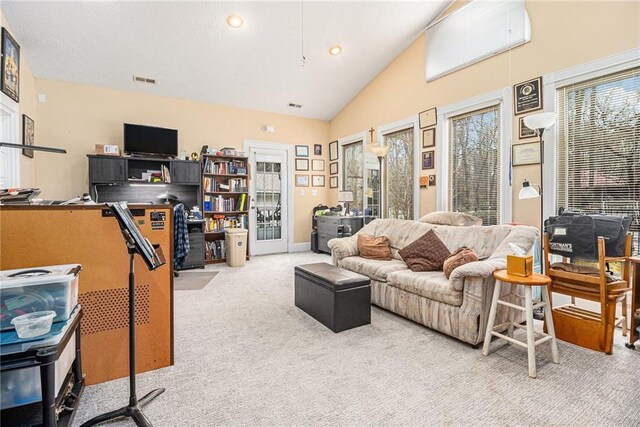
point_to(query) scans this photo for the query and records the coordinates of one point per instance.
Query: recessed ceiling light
(335, 50)
(235, 21)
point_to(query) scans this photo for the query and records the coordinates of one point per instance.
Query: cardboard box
(518, 265)
(107, 150)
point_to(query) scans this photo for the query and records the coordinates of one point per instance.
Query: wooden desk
(33, 236)
(634, 332)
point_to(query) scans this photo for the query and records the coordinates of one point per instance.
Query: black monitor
(139, 139)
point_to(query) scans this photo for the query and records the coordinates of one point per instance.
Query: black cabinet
(183, 172)
(195, 257)
(106, 169)
(329, 227)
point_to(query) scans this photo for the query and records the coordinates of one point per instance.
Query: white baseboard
(300, 247)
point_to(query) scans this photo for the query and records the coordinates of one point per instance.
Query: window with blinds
(474, 162)
(352, 175)
(599, 146)
(399, 174)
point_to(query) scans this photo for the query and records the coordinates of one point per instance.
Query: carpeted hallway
(245, 355)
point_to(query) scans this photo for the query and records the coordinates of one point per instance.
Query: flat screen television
(139, 139)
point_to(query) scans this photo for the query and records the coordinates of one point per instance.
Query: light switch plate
(302, 192)
(42, 98)
(314, 192)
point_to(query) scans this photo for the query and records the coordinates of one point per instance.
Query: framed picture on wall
(428, 118)
(525, 132)
(317, 181)
(429, 138)
(333, 182)
(428, 161)
(302, 164)
(10, 72)
(317, 149)
(28, 134)
(333, 168)
(302, 180)
(333, 150)
(525, 154)
(527, 96)
(424, 182)
(317, 165)
(432, 180)
(302, 151)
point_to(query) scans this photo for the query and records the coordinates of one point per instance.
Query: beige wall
(77, 117)
(27, 105)
(564, 34)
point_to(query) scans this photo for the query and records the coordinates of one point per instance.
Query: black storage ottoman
(337, 298)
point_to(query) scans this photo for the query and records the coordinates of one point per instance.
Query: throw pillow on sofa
(426, 253)
(457, 259)
(374, 247)
(458, 219)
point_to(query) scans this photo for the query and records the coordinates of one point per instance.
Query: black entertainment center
(127, 178)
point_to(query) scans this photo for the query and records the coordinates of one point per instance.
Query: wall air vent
(293, 105)
(141, 79)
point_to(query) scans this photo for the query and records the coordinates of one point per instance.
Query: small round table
(535, 279)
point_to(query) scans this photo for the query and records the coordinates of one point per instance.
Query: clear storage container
(28, 290)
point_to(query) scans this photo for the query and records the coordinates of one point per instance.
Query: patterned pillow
(425, 254)
(374, 247)
(459, 219)
(457, 259)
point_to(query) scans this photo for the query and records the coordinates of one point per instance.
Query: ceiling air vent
(293, 105)
(147, 80)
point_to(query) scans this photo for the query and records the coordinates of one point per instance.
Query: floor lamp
(380, 151)
(538, 122)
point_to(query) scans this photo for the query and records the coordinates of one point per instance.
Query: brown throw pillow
(374, 247)
(457, 259)
(425, 254)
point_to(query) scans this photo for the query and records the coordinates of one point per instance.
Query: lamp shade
(379, 150)
(345, 196)
(527, 191)
(540, 121)
(369, 192)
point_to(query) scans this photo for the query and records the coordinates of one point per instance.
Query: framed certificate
(527, 96)
(428, 118)
(525, 154)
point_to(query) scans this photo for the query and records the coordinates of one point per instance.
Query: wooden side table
(535, 279)
(634, 331)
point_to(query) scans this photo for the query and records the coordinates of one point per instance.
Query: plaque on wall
(527, 96)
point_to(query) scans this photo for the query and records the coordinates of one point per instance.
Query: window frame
(398, 125)
(348, 140)
(11, 133)
(502, 98)
(552, 82)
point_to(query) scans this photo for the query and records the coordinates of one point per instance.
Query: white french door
(269, 222)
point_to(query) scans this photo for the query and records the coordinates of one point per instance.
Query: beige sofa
(458, 306)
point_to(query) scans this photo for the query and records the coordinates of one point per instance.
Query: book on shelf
(215, 250)
(218, 223)
(232, 185)
(226, 167)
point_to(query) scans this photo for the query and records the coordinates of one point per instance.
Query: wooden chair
(586, 328)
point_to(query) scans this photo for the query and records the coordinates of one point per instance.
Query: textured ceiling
(193, 54)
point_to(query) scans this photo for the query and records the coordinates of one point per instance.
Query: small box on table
(518, 265)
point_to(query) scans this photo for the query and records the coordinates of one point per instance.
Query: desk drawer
(323, 239)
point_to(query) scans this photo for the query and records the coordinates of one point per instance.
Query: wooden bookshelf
(225, 185)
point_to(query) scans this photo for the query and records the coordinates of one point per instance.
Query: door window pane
(268, 186)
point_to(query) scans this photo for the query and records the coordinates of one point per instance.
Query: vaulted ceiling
(193, 54)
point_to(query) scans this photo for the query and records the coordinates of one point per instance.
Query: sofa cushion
(428, 284)
(374, 247)
(427, 253)
(374, 269)
(458, 219)
(459, 258)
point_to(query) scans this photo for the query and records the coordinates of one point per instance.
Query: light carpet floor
(245, 355)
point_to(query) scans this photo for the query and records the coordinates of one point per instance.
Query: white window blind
(474, 162)
(477, 31)
(352, 175)
(399, 174)
(599, 146)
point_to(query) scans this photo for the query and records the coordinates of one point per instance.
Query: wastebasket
(236, 243)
